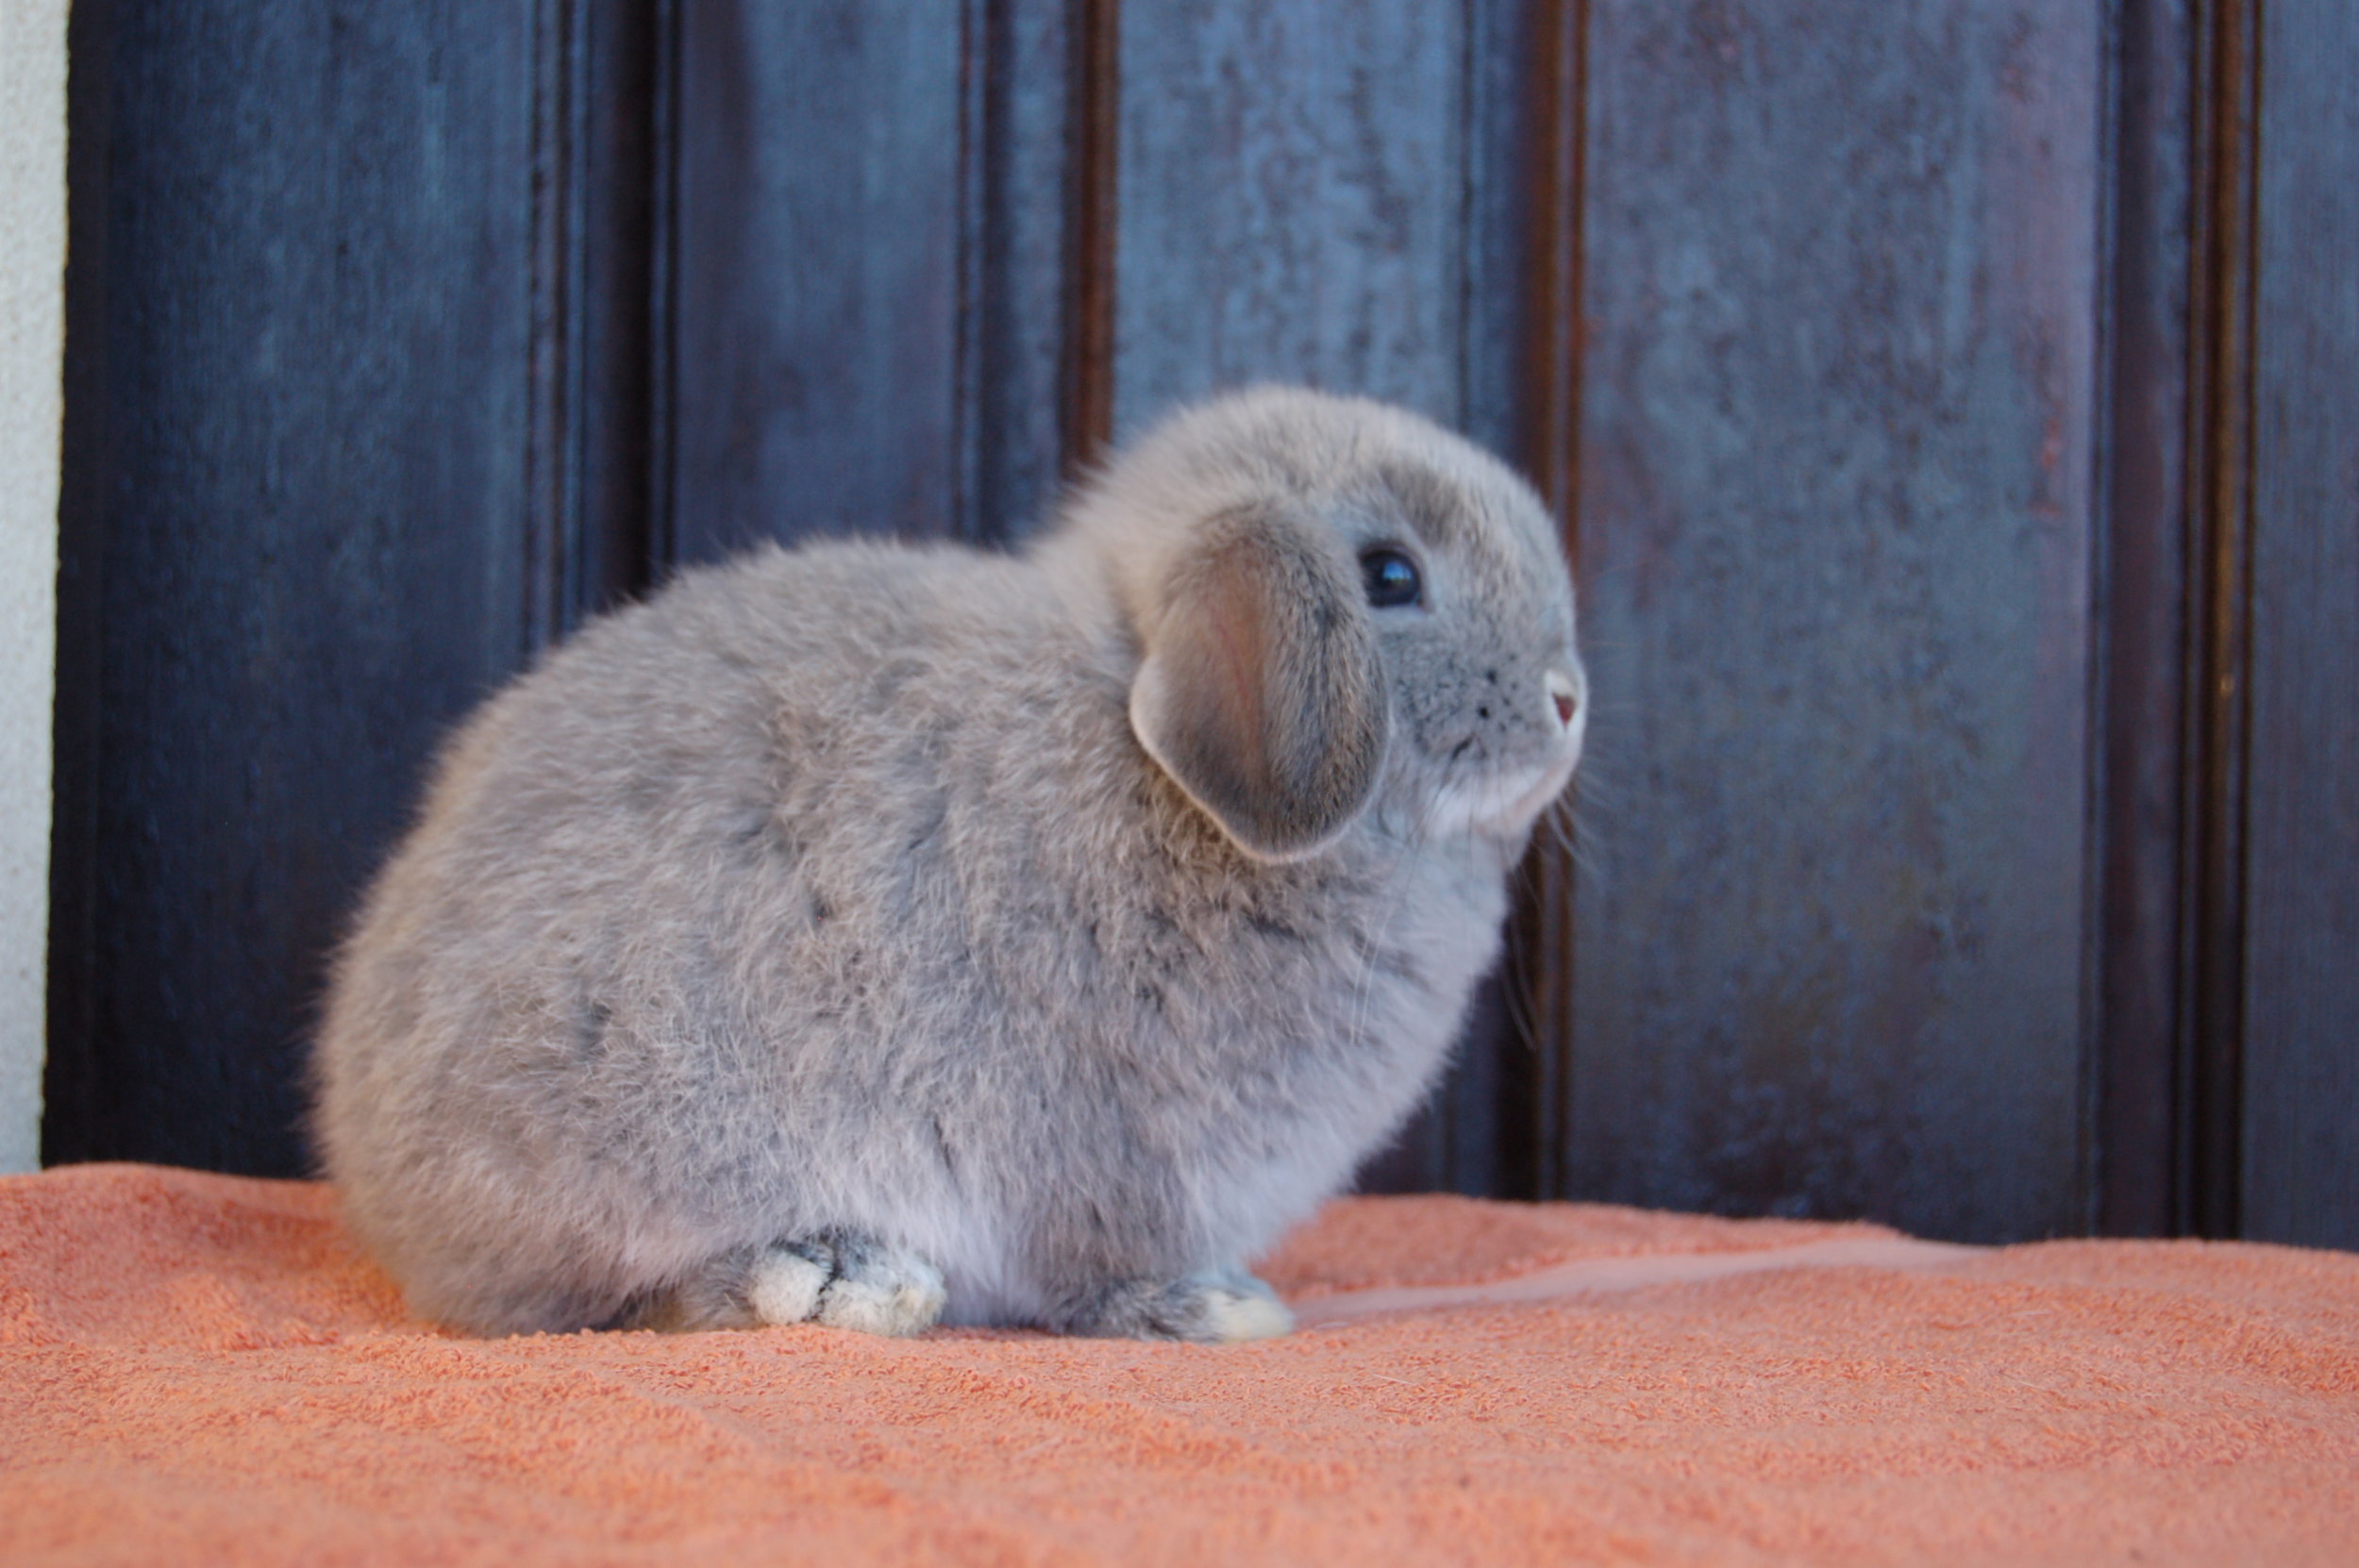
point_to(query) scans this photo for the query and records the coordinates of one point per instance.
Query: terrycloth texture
(200, 1369)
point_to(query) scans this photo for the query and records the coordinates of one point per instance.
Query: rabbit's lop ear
(1261, 692)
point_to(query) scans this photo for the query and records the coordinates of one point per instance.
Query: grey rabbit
(885, 935)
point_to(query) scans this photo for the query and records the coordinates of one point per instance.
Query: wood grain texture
(1093, 219)
(1835, 496)
(820, 204)
(2300, 1078)
(867, 303)
(2142, 591)
(1018, 443)
(1292, 187)
(2216, 727)
(597, 144)
(294, 481)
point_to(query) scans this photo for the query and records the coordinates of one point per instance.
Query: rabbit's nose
(1565, 695)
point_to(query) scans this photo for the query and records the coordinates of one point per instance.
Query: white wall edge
(32, 351)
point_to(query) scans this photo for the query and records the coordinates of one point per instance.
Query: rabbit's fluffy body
(835, 893)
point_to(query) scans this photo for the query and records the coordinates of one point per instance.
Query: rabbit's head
(1338, 607)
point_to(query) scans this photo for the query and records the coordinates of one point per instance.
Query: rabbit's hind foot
(846, 1280)
(842, 1278)
(1213, 1307)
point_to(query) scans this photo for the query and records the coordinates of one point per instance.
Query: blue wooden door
(1946, 405)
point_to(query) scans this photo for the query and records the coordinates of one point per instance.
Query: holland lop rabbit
(885, 936)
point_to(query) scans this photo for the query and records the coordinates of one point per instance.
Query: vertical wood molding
(980, 56)
(1540, 974)
(1094, 108)
(1552, 437)
(1015, 188)
(824, 168)
(660, 488)
(2140, 628)
(601, 151)
(866, 267)
(2219, 634)
(553, 454)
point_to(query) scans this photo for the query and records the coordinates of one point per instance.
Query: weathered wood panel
(1019, 329)
(870, 236)
(400, 339)
(292, 535)
(820, 193)
(1835, 524)
(1291, 202)
(601, 149)
(2300, 1081)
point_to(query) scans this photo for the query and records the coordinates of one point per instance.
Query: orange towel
(199, 1369)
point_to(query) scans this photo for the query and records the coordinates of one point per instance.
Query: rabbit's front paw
(1213, 1307)
(846, 1280)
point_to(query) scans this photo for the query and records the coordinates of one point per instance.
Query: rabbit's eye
(1392, 580)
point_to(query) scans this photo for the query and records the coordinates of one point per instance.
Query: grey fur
(830, 900)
